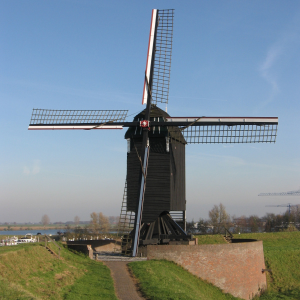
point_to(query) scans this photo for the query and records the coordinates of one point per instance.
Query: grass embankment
(166, 280)
(161, 279)
(31, 272)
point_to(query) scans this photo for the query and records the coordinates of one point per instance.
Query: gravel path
(125, 286)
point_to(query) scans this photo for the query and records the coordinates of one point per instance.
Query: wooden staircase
(52, 252)
(48, 239)
(228, 235)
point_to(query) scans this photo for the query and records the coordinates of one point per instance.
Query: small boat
(28, 238)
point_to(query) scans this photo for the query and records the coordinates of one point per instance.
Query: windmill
(156, 141)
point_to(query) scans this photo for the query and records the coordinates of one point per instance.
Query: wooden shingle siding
(165, 183)
(157, 195)
(177, 158)
(133, 174)
(164, 192)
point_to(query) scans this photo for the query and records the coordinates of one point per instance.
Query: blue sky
(230, 58)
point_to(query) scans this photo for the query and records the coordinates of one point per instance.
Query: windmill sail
(50, 119)
(151, 51)
(156, 89)
(158, 66)
(212, 130)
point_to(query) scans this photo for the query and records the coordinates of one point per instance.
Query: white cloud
(35, 168)
(266, 68)
(26, 170)
(287, 42)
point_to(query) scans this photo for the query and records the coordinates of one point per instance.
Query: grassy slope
(159, 279)
(31, 272)
(165, 280)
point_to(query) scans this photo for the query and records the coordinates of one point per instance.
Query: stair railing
(51, 240)
(228, 235)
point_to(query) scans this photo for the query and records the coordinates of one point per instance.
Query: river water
(33, 232)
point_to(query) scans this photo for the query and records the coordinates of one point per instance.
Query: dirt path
(125, 286)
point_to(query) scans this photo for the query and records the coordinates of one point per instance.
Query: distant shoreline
(33, 227)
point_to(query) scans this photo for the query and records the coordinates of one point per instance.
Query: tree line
(219, 219)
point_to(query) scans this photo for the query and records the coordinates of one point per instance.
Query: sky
(230, 58)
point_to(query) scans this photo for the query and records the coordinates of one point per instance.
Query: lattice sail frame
(52, 116)
(43, 119)
(226, 130)
(158, 65)
(224, 134)
(163, 56)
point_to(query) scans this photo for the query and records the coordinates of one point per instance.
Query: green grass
(30, 272)
(210, 239)
(166, 280)
(162, 280)
(96, 284)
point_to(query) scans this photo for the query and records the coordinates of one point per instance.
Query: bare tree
(45, 220)
(113, 220)
(269, 221)
(254, 223)
(240, 224)
(103, 223)
(295, 213)
(94, 222)
(219, 218)
(76, 220)
(99, 223)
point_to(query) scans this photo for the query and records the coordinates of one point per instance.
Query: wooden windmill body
(157, 141)
(165, 188)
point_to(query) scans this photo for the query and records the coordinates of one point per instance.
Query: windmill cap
(163, 131)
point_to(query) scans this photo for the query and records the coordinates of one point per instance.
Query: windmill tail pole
(140, 204)
(145, 145)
